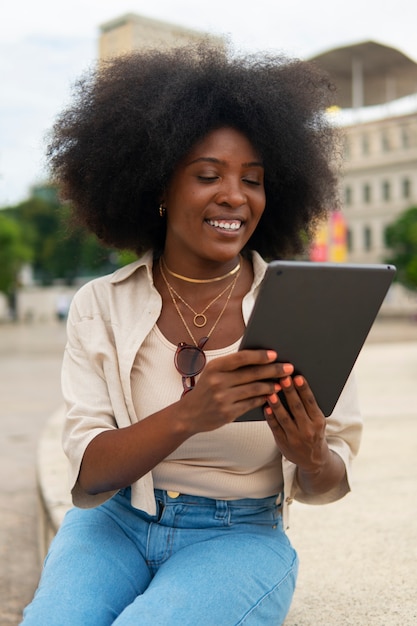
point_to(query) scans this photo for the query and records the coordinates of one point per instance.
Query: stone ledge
(54, 498)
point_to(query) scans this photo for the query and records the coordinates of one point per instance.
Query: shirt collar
(125, 272)
(259, 268)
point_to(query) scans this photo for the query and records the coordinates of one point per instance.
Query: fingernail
(268, 410)
(288, 368)
(277, 387)
(286, 382)
(272, 355)
(299, 380)
(273, 398)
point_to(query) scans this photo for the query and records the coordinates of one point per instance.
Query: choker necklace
(202, 280)
(173, 293)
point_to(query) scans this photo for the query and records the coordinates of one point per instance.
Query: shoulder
(98, 294)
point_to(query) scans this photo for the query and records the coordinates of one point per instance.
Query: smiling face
(214, 202)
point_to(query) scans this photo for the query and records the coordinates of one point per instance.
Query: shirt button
(173, 494)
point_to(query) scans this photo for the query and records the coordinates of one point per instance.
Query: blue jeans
(198, 561)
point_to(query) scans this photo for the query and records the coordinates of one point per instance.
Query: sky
(46, 44)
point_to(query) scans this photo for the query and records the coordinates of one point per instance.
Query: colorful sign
(330, 243)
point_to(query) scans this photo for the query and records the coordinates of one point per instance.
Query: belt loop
(222, 510)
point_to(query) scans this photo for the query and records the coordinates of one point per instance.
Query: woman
(194, 159)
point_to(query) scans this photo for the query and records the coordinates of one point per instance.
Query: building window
(348, 196)
(366, 193)
(405, 137)
(349, 240)
(365, 144)
(406, 188)
(385, 142)
(367, 238)
(386, 190)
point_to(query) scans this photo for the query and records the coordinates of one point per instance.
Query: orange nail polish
(286, 382)
(288, 368)
(272, 355)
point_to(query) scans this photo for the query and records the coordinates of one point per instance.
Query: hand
(229, 386)
(300, 436)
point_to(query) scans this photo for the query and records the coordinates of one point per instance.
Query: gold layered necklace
(174, 295)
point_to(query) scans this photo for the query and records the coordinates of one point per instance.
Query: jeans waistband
(173, 497)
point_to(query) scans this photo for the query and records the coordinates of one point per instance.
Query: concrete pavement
(30, 360)
(357, 556)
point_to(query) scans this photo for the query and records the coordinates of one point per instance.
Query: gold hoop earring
(162, 210)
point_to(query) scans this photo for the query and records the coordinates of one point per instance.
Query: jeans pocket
(260, 516)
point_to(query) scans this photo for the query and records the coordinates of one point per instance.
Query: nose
(231, 193)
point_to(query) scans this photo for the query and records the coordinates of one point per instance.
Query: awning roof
(368, 73)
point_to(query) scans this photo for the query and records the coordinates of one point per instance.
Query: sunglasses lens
(189, 360)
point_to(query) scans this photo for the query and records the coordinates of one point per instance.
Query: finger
(294, 400)
(273, 423)
(244, 358)
(256, 389)
(300, 399)
(272, 371)
(307, 397)
(278, 412)
(250, 365)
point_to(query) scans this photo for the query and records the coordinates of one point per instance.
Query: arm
(117, 458)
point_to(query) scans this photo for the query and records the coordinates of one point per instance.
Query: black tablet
(317, 317)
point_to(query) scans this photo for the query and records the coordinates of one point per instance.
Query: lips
(228, 225)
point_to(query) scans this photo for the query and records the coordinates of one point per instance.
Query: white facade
(380, 174)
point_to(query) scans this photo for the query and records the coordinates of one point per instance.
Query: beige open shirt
(108, 320)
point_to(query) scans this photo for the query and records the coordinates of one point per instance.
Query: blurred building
(131, 32)
(380, 180)
(377, 96)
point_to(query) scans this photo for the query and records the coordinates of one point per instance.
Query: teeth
(225, 225)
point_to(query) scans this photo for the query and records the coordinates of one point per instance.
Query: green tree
(41, 222)
(14, 253)
(60, 251)
(401, 238)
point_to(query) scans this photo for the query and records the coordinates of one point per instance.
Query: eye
(250, 181)
(207, 179)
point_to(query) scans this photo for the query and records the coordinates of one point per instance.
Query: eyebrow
(220, 162)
